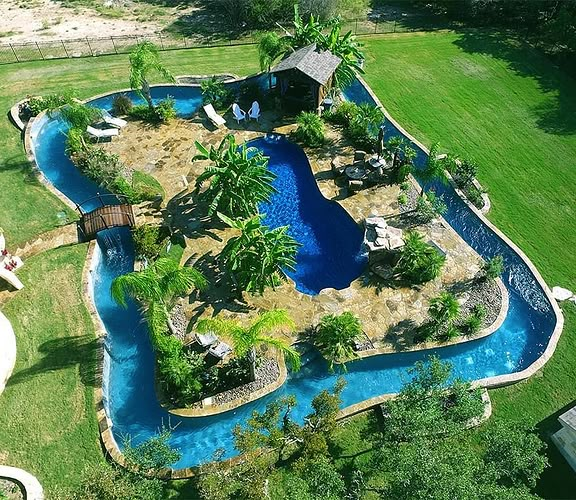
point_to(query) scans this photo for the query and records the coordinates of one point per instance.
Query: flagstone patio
(388, 314)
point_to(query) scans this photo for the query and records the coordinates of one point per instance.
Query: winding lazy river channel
(524, 342)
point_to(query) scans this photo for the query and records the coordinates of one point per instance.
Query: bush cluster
(361, 123)
(122, 105)
(149, 240)
(49, 102)
(215, 92)
(163, 112)
(310, 131)
(419, 261)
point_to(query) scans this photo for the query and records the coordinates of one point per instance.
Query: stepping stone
(560, 293)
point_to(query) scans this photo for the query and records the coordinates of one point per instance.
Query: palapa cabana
(306, 75)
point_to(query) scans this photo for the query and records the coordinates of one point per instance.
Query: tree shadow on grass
(557, 115)
(18, 164)
(559, 475)
(62, 353)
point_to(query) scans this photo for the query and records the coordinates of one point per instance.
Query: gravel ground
(179, 321)
(267, 373)
(10, 490)
(487, 293)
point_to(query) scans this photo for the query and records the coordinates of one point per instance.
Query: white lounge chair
(206, 339)
(11, 278)
(239, 114)
(214, 117)
(112, 120)
(220, 351)
(254, 112)
(97, 133)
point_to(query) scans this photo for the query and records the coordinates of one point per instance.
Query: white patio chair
(239, 114)
(220, 351)
(214, 117)
(254, 112)
(206, 339)
(112, 120)
(97, 133)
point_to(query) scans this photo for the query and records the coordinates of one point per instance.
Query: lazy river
(128, 385)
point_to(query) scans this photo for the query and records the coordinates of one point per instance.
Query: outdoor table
(376, 162)
(355, 172)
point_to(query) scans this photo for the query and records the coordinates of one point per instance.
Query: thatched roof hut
(306, 74)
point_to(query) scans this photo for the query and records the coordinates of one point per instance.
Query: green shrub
(360, 137)
(143, 112)
(122, 105)
(153, 454)
(419, 261)
(80, 115)
(402, 199)
(148, 240)
(494, 267)
(75, 142)
(147, 186)
(403, 172)
(430, 207)
(165, 110)
(474, 195)
(49, 102)
(343, 114)
(464, 173)
(310, 131)
(405, 186)
(215, 92)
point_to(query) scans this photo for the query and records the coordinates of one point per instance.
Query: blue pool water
(128, 379)
(330, 255)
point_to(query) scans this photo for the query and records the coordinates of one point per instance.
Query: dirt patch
(44, 20)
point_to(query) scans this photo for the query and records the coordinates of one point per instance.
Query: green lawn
(492, 99)
(47, 419)
(19, 213)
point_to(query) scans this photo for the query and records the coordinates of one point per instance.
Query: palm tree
(443, 311)
(336, 336)
(247, 340)
(434, 170)
(144, 62)
(270, 48)
(346, 47)
(239, 178)
(157, 287)
(258, 257)
(419, 261)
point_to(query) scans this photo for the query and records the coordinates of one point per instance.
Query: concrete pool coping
(105, 424)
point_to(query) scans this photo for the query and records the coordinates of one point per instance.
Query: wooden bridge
(113, 214)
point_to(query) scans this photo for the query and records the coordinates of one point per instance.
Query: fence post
(89, 47)
(376, 25)
(64, 47)
(356, 27)
(394, 31)
(161, 41)
(14, 52)
(38, 47)
(114, 45)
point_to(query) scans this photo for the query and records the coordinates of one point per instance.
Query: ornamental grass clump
(310, 131)
(419, 261)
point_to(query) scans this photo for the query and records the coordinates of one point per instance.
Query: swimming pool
(130, 400)
(331, 254)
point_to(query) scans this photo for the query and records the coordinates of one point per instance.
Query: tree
(514, 455)
(259, 256)
(153, 454)
(248, 339)
(145, 62)
(346, 46)
(79, 115)
(336, 336)
(419, 262)
(270, 48)
(157, 287)
(428, 405)
(271, 429)
(239, 178)
(434, 169)
(444, 311)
